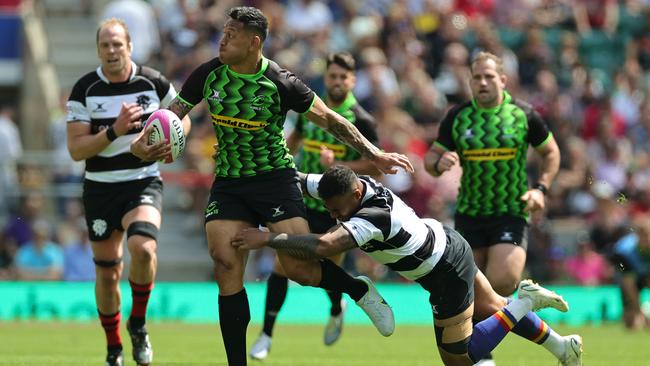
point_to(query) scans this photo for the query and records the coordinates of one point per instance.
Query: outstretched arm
(347, 133)
(305, 246)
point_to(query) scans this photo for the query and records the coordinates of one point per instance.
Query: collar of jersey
(506, 99)
(348, 102)
(134, 69)
(265, 64)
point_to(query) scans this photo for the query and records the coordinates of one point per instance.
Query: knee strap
(107, 264)
(143, 228)
(457, 348)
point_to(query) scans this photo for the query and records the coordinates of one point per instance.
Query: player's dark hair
(343, 59)
(252, 18)
(336, 181)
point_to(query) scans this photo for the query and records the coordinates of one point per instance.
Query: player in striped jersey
(248, 97)
(489, 136)
(317, 151)
(374, 219)
(121, 192)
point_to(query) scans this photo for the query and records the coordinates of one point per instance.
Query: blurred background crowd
(583, 64)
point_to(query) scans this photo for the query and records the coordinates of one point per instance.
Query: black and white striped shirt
(390, 231)
(95, 100)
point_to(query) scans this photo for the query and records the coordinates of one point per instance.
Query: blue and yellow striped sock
(489, 333)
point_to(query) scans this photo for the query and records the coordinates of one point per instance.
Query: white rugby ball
(167, 126)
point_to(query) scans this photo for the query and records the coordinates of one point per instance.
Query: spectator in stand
(596, 14)
(586, 267)
(40, 259)
(78, 262)
(17, 231)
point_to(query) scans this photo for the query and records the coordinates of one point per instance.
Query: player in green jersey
(489, 137)
(317, 151)
(256, 182)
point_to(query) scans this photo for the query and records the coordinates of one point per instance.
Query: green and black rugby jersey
(492, 144)
(248, 113)
(313, 137)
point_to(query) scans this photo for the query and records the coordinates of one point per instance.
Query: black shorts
(264, 198)
(451, 282)
(486, 231)
(319, 222)
(107, 203)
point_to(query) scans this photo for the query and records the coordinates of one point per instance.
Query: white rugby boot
(540, 297)
(334, 326)
(573, 351)
(261, 348)
(377, 309)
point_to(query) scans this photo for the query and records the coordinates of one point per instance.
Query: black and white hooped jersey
(97, 101)
(390, 231)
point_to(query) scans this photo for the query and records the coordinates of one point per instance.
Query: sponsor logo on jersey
(239, 123)
(504, 153)
(314, 147)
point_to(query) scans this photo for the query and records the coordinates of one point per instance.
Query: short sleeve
(192, 90)
(538, 131)
(165, 90)
(294, 94)
(445, 137)
(311, 184)
(362, 230)
(76, 105)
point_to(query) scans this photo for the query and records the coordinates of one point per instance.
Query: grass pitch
(70, 344)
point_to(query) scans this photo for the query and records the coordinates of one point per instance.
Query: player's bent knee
(108, 271)
(142, 228)
(303, 277)
(505, 286)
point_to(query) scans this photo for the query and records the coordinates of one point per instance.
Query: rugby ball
(167, 126)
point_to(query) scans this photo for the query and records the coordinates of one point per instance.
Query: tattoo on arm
(179, 107)
(314, 246)
(347, 133)
(299, 246)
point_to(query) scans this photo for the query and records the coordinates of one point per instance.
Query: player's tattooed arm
(342, 129)
(313, 246)
(180, 107)
(303, 246)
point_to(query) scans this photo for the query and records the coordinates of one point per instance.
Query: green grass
(43, 343)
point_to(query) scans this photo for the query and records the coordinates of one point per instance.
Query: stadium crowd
(584, 65)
